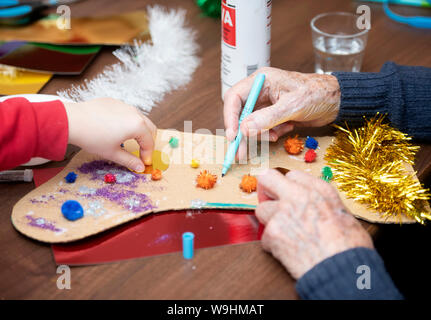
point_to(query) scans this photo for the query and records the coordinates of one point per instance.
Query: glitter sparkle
(42, 223)
(99, 168)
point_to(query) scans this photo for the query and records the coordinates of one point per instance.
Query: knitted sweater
(404, 94)
(357, 273)
(401, 92)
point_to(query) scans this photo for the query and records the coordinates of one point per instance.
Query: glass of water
(339, 42)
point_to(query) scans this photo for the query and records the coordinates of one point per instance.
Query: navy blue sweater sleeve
(354, 274)
(402, 92)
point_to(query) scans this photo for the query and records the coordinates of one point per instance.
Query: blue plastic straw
(188, 244)
(416, 3)
(414, 21)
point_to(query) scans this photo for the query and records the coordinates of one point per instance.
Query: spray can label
(229, 24)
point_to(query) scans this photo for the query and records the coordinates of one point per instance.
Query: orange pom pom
(156, 174)
(293, 145)
(206, 180)
(248, 183)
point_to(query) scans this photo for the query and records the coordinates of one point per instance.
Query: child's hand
(101, 125)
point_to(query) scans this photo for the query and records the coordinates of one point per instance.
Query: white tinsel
(147, 71)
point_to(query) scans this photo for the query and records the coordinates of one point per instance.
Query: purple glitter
(130, 200)
(42, 223)
(63, 190)
(98, 168)
(34, 201)
(162, 238)
(43, 199)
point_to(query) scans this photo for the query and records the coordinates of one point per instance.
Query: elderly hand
(99, 126)
(306, 222)
(287, 99)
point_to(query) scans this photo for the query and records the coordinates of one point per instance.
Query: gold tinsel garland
(369, 166)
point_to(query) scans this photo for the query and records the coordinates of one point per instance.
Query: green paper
(68, 49)
(211, 8)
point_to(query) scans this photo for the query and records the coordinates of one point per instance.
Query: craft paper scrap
(42, 175)
(123, 28)
(7, 47)
(48, 58)
(15, 81)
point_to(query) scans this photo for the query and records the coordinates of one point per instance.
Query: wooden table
(27, 268)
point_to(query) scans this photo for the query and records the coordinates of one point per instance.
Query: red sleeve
(31, 130)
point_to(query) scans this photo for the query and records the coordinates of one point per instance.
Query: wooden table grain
(27, 268)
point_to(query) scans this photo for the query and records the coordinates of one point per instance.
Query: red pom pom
(310, 155)
(110, 178)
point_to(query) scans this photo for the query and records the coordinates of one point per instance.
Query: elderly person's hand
(287, 99)
(305, 220)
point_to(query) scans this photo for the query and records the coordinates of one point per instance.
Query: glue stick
(16, 175)
(246, 39)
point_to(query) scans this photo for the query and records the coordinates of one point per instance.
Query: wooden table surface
(27, 268)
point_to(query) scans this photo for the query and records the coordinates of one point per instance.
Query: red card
(47, 57)
(40, 176)
(156, 234)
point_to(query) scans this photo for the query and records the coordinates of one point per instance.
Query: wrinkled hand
(287, 99)
(306, 222)
(99, 126)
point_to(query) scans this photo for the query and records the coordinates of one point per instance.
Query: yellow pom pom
(195, 163)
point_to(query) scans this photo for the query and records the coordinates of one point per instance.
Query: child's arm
(31, 130)
(98, 126)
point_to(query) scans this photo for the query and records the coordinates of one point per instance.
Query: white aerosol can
(246, 39)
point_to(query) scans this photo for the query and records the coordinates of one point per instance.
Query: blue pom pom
(71, 177)
(311, 143)
(72, 210)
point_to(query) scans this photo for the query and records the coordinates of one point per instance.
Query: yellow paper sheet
(14, 81)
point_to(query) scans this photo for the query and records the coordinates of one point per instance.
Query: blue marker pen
(248, 109)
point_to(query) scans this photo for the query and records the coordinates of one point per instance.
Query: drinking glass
(339, 43)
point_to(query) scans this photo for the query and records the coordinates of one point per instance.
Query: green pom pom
(211, 8)
(173, 142)
(327, 174)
